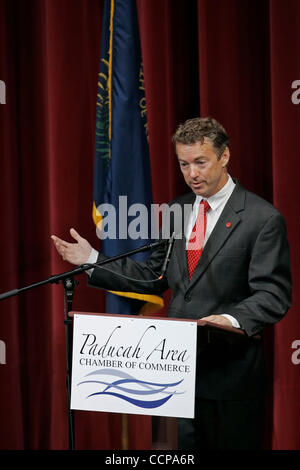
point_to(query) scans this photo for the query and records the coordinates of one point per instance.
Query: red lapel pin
(228, 224)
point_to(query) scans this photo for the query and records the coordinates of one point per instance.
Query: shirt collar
(216, 200)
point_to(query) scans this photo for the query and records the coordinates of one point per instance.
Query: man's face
(201, 169)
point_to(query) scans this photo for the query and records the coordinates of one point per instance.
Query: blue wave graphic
(129, 390)
(145, 388)
(139, 403)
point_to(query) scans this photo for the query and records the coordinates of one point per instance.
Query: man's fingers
(59, 245)
(55, 239)
(219, 319)
(58, 241)
(212, 318)
(75, 235)
(75, 253)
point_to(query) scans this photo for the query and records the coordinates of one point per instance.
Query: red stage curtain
(235, 60)
(285, 120)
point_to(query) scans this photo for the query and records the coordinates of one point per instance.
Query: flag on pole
(122, 164)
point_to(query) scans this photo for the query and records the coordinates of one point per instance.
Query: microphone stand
(70, 284)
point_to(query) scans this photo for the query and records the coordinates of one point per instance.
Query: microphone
(87, 266)
(168, 255)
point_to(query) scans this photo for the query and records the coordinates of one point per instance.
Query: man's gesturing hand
(76, 253)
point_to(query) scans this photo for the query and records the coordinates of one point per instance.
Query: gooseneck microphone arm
(56, 278)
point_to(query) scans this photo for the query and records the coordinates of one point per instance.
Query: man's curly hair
(195, 130)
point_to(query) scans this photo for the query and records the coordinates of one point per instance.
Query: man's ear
(225, 157)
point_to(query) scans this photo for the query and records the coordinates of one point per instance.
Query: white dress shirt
(217, 203)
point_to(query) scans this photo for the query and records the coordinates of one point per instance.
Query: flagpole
(124, 432)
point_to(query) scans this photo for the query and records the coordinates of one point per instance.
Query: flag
(122, 164)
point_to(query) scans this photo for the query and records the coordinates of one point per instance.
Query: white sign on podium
(134, 365)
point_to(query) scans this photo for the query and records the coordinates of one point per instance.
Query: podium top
(201, 323)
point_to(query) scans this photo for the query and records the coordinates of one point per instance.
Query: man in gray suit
(238, 276)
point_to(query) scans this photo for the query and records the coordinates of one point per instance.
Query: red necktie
(196, 241)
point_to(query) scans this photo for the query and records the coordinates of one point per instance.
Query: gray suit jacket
(244, 271)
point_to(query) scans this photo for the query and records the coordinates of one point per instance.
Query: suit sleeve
(127, 275)
(269, 279)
